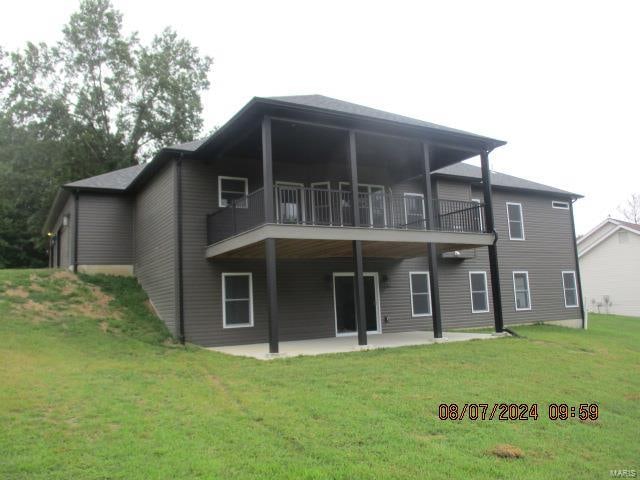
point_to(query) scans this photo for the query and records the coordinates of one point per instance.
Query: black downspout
(75, 230)
(179, 253)
(575, 251)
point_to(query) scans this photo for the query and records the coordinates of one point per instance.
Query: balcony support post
(358, 263)
(432, 251)
(493, 249)
(267, 171)
(272, 294)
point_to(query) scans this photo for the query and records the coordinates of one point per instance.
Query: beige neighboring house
(609, 257)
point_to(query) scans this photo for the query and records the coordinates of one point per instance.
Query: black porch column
(434, 282)
(493, 249)
(358, 264)
(272, 294)
(270, 243)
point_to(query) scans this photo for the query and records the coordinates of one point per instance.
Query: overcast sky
(559, 81)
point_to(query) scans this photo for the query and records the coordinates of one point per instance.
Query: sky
(559, 81)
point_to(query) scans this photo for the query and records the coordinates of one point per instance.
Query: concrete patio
(323, 346)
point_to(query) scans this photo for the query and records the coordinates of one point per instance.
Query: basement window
(570, 289)
(479, 292)
(521, 290)
(420, 294)
(237, 300)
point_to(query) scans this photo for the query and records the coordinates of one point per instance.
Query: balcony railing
(325, 207)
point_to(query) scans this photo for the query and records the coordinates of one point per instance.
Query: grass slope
(91, 388)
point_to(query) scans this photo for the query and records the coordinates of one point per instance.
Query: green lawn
(91, 388)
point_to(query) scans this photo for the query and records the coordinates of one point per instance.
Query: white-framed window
(232, 188)
(420, 294)
(560, 205)
(481, 214)
(321, 203)
(570, 287)
(414, 211)
(479, 292)
(237, 300)
(521, 291)
(515, 220)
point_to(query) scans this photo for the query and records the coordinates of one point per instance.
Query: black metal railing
(297, 205)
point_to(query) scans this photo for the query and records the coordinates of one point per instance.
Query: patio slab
(322, 346)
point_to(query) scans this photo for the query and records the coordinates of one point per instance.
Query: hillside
(91, 386)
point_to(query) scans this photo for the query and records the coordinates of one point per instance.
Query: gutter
(178, 193)
(578, 278)
(76, 207)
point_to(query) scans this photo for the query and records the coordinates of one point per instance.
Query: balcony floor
(323, 346)
(299, 242)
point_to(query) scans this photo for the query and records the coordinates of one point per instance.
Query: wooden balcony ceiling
(309, 249)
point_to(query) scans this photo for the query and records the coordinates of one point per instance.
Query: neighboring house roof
(611, 225)
(465, 170)
(115, 180)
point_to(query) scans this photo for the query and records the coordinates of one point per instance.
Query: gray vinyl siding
(154, 244)
(105, 236)
(546, 251)
(451, 190)
(66, 237)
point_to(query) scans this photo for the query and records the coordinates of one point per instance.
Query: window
(420, 294)
(521, 290)
(516, 222)
(560, 205)
(479, 292)
(237, 300)
(414, 216)
(480, 213)
(290, 202)
(232, 188)
(570, 289)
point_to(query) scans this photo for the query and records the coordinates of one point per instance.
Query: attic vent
(560, 205)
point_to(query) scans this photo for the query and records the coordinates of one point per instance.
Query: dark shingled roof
(116, 180)
(464, 170)
(191, 146)
(340, 106)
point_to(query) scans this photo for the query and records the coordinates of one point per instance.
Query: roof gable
(115, 180)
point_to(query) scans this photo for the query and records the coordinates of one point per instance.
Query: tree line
(96, 100)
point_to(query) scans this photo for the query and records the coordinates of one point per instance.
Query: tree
(95, 101)
(630, 209)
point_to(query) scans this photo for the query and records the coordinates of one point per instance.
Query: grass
(91, 388)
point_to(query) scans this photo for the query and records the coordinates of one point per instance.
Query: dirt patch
(68, 289)
(64, 275)
(506, 451)
(34, 287)
(588, 421)
(632, 396)
(16, 292)
(104, 326)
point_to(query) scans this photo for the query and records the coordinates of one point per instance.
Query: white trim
(246, 189)
(224, 299)
(521, 221)
(413, 312)
(565, 207)
(605, 236)
(301, 203)
(404, 204)
(564, 289)
(486, 290)
(515, 297)
(595, 229)
(477, 200)
(313, 203)
(377, 295)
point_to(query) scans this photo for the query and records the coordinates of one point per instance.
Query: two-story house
(308, 217)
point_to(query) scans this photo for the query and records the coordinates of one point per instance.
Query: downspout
(76, 207)
(181, 335)
(575, 251)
